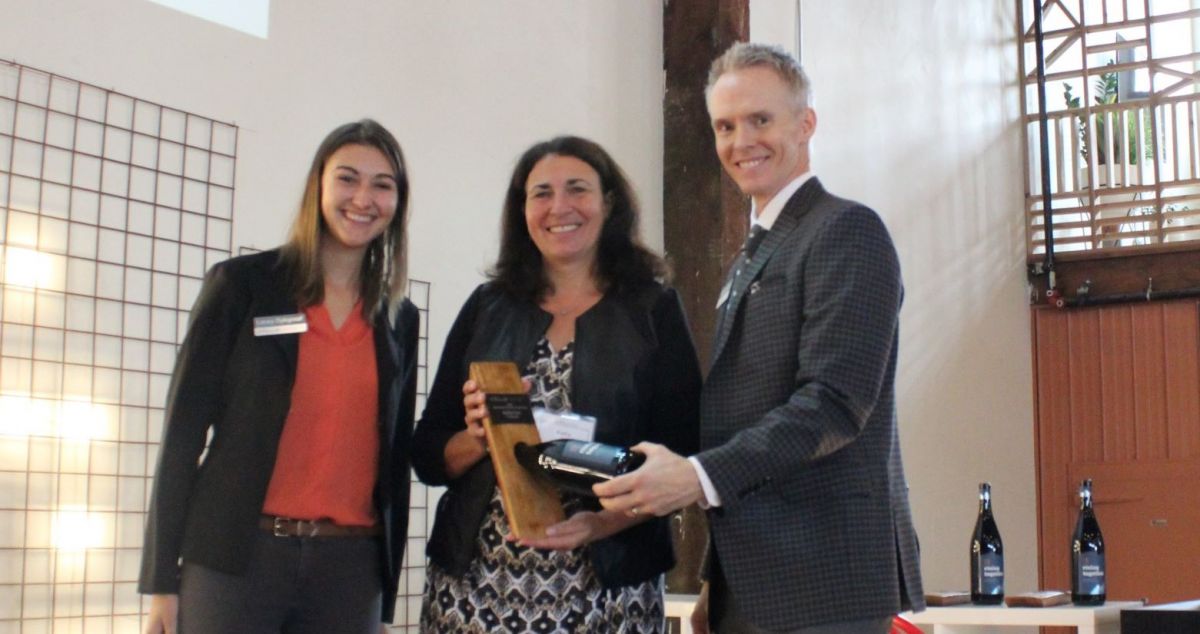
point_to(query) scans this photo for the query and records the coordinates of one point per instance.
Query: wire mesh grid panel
(422, 499)
(111, 210)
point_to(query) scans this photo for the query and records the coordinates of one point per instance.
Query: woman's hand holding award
(530, 503)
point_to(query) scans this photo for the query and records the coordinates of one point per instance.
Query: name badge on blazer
(280, 325)
(724, 295)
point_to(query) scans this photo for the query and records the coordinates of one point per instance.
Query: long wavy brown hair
(384, 273)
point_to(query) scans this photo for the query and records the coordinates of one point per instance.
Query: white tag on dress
(568, 426)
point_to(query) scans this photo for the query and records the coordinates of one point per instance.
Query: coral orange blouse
(328, 453)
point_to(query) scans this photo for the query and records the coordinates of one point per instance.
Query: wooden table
(976, 619)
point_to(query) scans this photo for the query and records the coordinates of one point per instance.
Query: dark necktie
(755, 238)
(757, 233)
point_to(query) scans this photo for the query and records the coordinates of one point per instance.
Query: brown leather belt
(286, 527)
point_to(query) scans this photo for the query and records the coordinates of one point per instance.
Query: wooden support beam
(1173, 267)
(704, 214)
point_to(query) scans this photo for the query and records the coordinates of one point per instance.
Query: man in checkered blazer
(800, 465)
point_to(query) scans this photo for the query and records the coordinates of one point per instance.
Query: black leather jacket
(635, 370)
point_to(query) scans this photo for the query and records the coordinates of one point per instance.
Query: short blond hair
(748, 55)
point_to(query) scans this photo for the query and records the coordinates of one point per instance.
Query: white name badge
(567, 426)
(724, 296)
(280, 325)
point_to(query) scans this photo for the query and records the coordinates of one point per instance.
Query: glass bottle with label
(1088, 571)
(575, 465)
(987, 554)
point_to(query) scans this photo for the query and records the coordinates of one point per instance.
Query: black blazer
(635, 370)
(798, 424)
(239, 386)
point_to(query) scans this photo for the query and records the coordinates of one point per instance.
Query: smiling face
(564, 209)
(762, 134)
(359, 194)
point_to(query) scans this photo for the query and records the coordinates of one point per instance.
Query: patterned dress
(517, 589)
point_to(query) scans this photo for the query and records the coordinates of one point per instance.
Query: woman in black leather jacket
(294, 518)
(574, 300)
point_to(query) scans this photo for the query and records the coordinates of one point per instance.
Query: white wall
(918, 117)
(776, 22)
(465, 86)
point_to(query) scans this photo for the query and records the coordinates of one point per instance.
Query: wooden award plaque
(530, 503)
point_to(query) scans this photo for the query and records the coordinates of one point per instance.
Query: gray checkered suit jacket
(798, 424)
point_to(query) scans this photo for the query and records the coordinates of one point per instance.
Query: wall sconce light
(27, 268)
(76, 529)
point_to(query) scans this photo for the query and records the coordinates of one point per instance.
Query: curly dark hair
(622, 261)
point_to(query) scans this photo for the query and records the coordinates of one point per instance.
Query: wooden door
(1117, 392)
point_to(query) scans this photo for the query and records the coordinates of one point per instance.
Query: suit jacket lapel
(274, 297)
(387, 365)
(779, 234)
(723, 315)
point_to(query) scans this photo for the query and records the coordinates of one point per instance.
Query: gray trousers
(294, 585)
(869, 626)
(726, 618)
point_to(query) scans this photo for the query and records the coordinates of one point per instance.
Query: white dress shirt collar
(773, 208)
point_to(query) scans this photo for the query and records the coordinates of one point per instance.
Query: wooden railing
(1147, 180)
(1124, 171)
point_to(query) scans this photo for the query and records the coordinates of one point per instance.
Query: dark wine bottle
(1087, 553)
(987, 554)
(575, 465)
